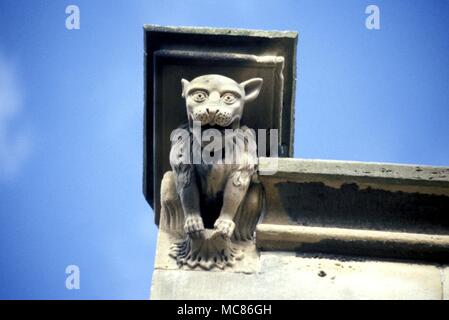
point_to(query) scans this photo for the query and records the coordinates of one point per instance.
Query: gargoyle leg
(249, 213)
(233, 195)
(187, 188)
(172, 215)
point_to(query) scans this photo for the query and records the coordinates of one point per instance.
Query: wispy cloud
(15, 140)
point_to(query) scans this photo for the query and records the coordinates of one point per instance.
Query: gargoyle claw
(194, 227)
(225, 227)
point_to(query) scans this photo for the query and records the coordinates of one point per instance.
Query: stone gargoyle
(212, 205)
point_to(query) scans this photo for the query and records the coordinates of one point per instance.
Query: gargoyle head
(217, 100)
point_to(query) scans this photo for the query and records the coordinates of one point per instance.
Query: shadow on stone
(315, 204)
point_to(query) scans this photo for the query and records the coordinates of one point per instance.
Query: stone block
(287, 276)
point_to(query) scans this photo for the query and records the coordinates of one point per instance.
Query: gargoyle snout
(212, 111)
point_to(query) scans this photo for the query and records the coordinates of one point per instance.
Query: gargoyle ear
(252, 88)
(185, 85)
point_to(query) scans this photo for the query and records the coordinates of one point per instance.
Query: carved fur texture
(212, 204)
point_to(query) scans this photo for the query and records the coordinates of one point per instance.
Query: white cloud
(15, 142)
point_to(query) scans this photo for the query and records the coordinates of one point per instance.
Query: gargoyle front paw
(194, 227)
(225, 227)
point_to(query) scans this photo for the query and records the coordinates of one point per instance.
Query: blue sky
(71, 110)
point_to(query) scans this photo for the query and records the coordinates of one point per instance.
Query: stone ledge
(386, 209)
(352, 241)
(222, 31)
(364, 173)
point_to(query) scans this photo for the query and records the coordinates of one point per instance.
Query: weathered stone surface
(445, 280)
(282, 275)
(355, 195)
(163, 261)
(395, 177)
(286, 276)
(353, 241)
(221, 31)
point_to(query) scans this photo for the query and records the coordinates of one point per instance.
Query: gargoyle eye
(229, 98)
(199, 96)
